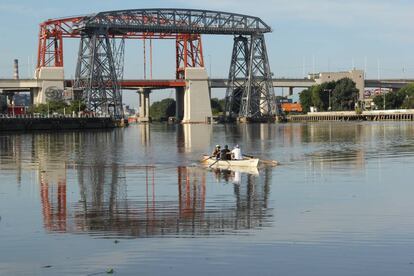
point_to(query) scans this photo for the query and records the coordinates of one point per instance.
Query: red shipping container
(16, 110)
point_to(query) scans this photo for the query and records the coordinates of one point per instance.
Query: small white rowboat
(246, 162)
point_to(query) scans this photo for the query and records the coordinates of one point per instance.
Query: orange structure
(292, 107)
(52, 32)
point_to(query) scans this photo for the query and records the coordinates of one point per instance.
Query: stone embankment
(377, 115)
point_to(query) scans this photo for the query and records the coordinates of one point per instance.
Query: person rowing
(225, 153)
(236, 153)
(216, 152)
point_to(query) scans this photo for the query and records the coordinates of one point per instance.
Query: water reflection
(11, 154)
(193, 137)
(84, 189)
(119, 184)
(101, 183)
(233, 175)
(351, 145)
(106, 209)
(145, 134)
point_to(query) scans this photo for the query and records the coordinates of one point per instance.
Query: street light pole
(209, 64)
(329, 95)
(330, 107)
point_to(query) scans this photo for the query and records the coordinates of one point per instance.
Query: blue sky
(317, 35)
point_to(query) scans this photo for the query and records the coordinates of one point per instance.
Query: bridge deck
(133, 84)
(129, 84)
(20, 84)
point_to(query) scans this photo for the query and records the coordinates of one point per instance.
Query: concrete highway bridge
(30, 85)
(145, 87)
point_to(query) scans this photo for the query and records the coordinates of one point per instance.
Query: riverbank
(377, 115)
(25, 123)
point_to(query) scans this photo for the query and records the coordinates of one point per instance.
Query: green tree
(216, 106)
(392, 100)
(317, 100)
(325, 95)
(305, 98)
(408, 103)
(222, 103)
(163, 109)
(379, 101)
(406, 95)
(50, 107)
(317, 96)
(76, 106)
(345, 95)
(407, 90)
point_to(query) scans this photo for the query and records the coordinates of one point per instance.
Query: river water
(136, 201)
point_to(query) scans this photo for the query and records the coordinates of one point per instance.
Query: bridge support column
(52, 85)
(144, 105)
(97, 74)
(250, 95)
(197, 106)
(179, 103)
(290, 91)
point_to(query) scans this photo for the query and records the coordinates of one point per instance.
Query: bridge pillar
(97, 74)
(179, 103)
(144, 105)
(250, 95)
(290, 91)
(51, 87)
(197, 106)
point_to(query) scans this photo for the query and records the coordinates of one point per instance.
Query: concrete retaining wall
(378, 115)
(55, 124)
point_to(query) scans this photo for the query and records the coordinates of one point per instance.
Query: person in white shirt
(236, 153)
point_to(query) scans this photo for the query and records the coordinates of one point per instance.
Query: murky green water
(136, 201)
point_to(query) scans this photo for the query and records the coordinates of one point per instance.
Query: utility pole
(329, 94)
(209, 64)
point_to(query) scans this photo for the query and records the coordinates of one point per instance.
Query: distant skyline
(308, 36)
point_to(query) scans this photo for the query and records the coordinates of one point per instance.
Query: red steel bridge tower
(101, 53)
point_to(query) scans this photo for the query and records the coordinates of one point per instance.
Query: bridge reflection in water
(85, 188)
(105, 209)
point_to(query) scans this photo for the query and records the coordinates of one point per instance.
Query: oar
(202, 161)
(270, 162)
(214, 163)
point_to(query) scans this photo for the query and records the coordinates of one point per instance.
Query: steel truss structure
(176, 21)
(250, 91)
(118, 50)
(238, 76)
(51, 34)
(97, 75)
(100, 58)
(189, 53)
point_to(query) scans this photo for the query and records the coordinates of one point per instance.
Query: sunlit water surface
(137, 201)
